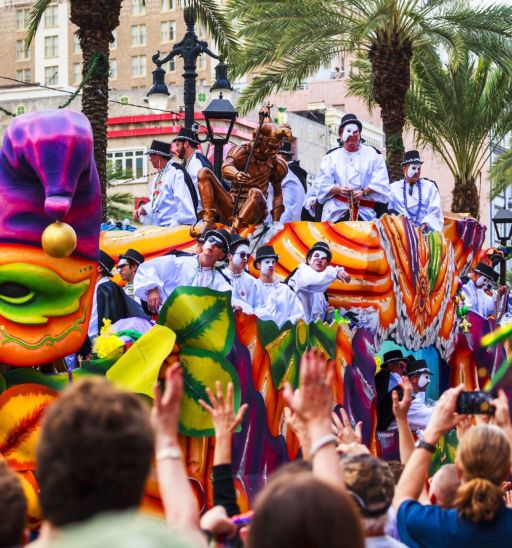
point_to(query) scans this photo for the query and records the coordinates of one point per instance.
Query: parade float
(403, 291)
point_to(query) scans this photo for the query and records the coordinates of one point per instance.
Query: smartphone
(475, 403)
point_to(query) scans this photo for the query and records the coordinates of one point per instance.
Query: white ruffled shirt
(293, 198)
(193, 165)
(173, 204)
(281, 303)
(169, 272)
(249, 293)
(364, 168)
(430, 211)
(478, 300)
(310, 285)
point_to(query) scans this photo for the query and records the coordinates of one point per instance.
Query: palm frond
(501, 173)
(36, 14)
(360, 79)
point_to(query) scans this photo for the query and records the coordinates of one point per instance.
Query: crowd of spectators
(97, 444)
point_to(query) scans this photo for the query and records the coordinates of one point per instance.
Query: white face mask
(266, 264)
(413, 170)
(423, 380)
(319, 255)
(348, 130)
(480, 281)
(241, 254)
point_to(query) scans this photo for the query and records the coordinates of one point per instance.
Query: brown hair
(304, 513)
(13, 507)
(483, 457)
(94, 452)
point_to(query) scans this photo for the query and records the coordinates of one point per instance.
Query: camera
(475, 403)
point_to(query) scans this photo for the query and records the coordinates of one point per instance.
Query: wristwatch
(422, 444)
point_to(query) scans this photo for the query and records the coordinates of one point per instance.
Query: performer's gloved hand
(243, 177)
(342, 275)
(154, 300)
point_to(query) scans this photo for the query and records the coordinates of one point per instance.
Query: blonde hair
(483, 458)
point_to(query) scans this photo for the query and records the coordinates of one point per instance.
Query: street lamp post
(502, 222)
(220, 111)
(189, 50)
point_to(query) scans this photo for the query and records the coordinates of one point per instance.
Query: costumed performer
(353, 178)
(478, 291)
(311, 280)
(281, 302)
(244, 286)
(417, 197)
(173, 197)
(156, 279)
(127, 267)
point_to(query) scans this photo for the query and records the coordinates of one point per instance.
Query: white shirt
(169, 272)
(478, 301)
(249, 293)
(172, 205)
(92, 331)
(310, 285)
(293, 198)
(192, 166)
(282, 303)
(419, 414)
(364, 168)
(430, 211)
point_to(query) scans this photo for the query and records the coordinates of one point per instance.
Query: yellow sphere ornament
(59, 240)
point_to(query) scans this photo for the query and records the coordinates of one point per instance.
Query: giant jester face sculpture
(47, 174)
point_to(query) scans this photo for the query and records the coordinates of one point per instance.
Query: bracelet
(173, 453)
(322, 442)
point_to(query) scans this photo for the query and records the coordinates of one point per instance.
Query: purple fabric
(47, 173)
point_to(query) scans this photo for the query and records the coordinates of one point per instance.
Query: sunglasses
(243, 254)
(122, 266)
(214, 241)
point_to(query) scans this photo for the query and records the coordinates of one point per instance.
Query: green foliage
(459, 109)
(119, 204)
(501, 173)
(285, 41)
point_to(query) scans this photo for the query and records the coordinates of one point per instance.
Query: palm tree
(501, 173)
(96, 20)
(119, 204)
(286, 41)
(462, 111)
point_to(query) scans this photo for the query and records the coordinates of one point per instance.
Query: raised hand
(342, 428)
(401, 408)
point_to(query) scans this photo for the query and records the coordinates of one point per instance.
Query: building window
(24, 75)
(51, 75)
(22, 19)
(138, 66)
(76, 44)
(170, 66)
(130, 162)
(51, 47)
(113, 45)
(201, 62)
(113, 69)
(21, 53)
(138, 35)
(77, 73)
(168, 31)
(51, 17)
(138, 7)
(167, 5)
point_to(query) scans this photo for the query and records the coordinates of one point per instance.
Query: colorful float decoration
(403, 287)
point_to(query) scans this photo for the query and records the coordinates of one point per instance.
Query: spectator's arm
(415, 472)
(177, 496)
(225, 422)
(312, 402)
(400, 410)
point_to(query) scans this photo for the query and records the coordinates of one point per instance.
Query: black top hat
(411, 157)
(237, 240)
(417, 367)
(160, 148)
(392, 356)
(132, 255)
(487, 271)
(187, 134)
(319, 246)
(350, 119)
(286, 148)
(222, 235)
(265, 252)
(106, 262)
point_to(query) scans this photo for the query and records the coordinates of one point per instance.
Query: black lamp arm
(176, 50)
